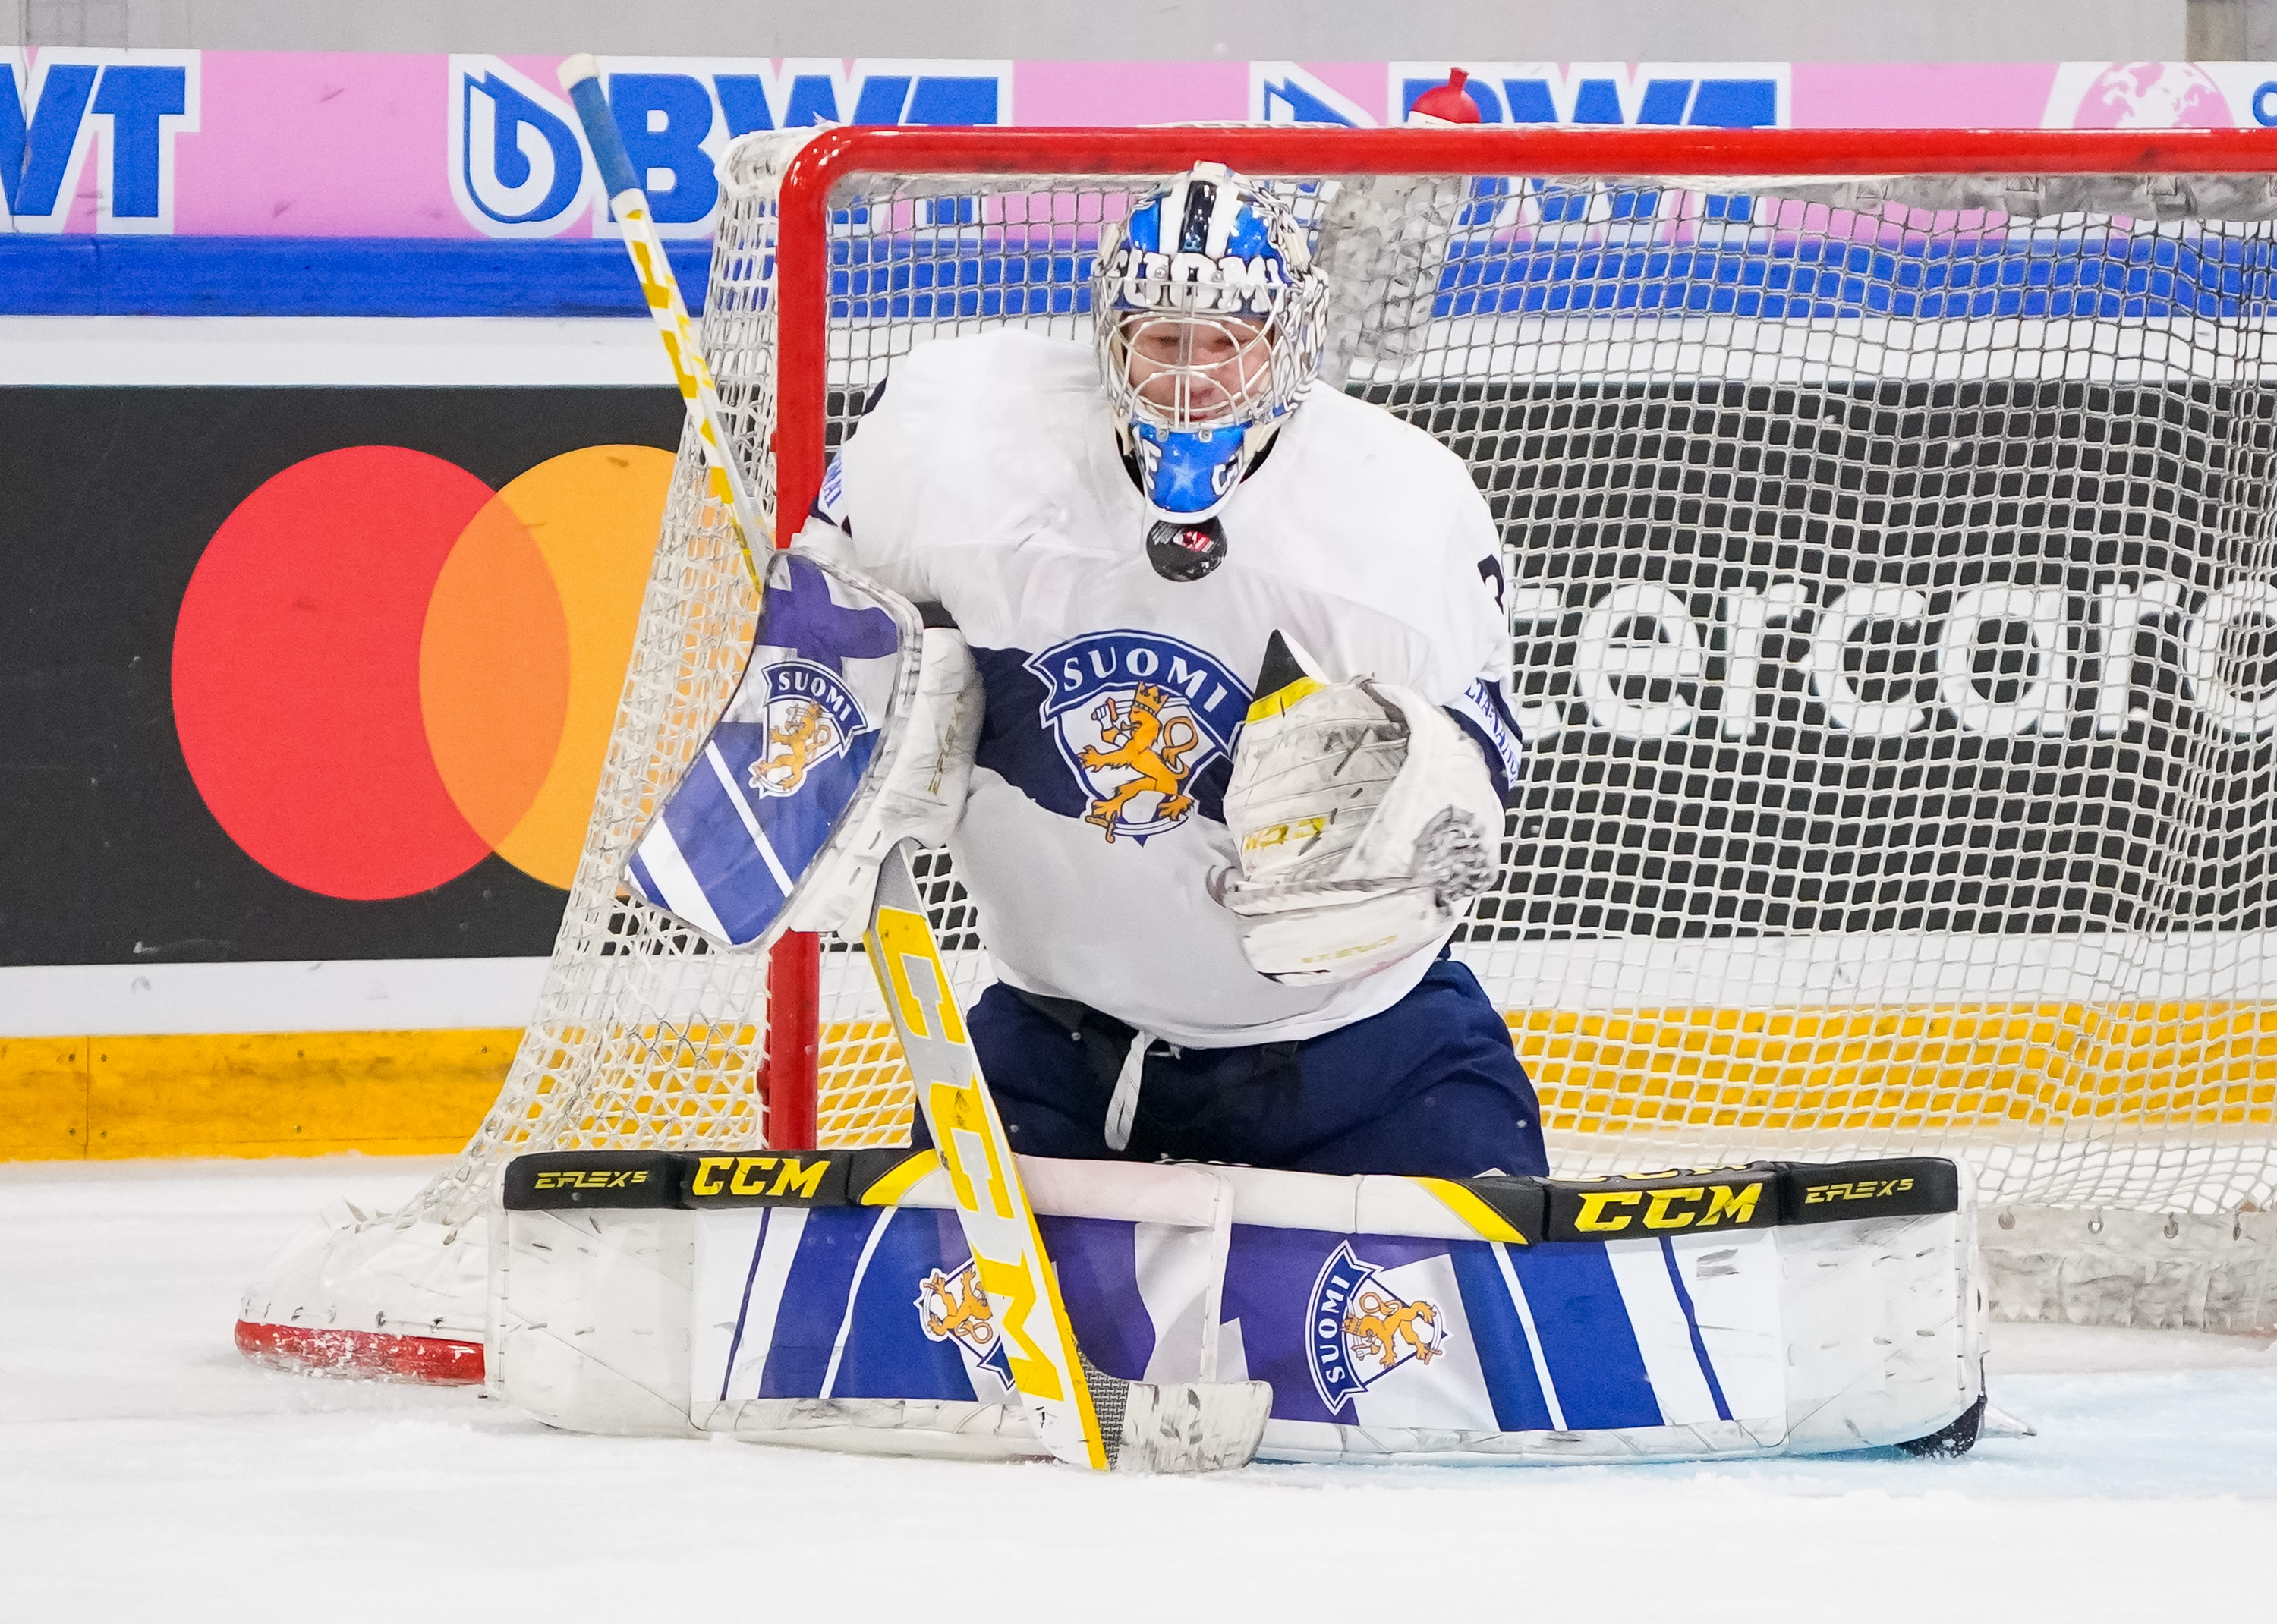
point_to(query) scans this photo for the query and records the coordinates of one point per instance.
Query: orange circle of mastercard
(384, 671)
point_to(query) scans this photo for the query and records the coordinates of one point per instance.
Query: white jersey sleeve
(944, 457)
(1483, 709)
(877, 544)
(1458, 588)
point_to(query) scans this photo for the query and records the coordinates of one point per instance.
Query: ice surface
(147, 1471)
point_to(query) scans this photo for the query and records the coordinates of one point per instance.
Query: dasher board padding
(828, 1298)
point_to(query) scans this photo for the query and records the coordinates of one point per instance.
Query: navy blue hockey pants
(1432, 1087)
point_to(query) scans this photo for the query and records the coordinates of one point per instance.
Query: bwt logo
(1723, 96)
(519, 166)
(126, 106)
(1720, 96)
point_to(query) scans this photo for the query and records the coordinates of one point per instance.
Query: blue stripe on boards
(814, 1301)
(328, 276)
(1692, 1324)
(1503, 1356)
(2099, 274)
(1587, 1341)
(1635, 264)
(1727, 267)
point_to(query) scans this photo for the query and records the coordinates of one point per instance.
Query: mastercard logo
(384, 670)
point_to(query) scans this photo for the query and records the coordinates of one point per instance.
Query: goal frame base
(370, 1356)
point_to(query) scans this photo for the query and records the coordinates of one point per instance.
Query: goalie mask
(1210, 316)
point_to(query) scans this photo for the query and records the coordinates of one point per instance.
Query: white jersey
(987, 479)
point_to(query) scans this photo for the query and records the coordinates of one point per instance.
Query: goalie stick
(1081, 1413)
(581, 77)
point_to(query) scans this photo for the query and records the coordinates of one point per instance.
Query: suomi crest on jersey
(1137, 714)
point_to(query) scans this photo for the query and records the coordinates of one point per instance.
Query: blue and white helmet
(1210, 316)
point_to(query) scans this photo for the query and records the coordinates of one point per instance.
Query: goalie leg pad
(1771, 1322)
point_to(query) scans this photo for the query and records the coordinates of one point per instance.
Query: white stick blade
(1192, 1426)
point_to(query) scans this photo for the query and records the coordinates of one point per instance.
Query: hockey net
(1893, 617)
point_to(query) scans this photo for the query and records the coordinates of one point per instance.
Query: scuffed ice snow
(147, 1471)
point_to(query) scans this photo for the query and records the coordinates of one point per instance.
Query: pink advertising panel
(254, 144)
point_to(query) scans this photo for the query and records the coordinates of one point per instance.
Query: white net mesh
(1896, 644)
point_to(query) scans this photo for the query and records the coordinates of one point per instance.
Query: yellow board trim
(249, 1094)
(1992, 1067)
(1490, 1224)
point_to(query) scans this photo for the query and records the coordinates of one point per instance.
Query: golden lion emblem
(1151, 748)
(954, 1305)
(1382, 1320)
(807, 737)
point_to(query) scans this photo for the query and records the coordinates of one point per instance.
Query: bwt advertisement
(219, 152)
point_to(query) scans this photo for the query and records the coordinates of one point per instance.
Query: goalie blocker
(852, 729)
(829, 1300)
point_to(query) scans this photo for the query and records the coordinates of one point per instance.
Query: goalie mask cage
(1886, 532)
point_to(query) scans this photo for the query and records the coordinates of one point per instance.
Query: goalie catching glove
(1365, 822)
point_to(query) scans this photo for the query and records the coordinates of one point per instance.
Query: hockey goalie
(1197, 670)
(1213, 941)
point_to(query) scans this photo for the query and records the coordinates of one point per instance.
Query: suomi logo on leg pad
(1360, 1330)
